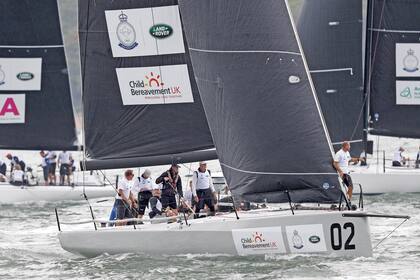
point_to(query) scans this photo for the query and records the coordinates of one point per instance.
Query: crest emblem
(2, 76)
(411, 62)
(297, 240)
(126, 33)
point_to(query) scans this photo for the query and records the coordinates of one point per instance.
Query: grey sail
(393, 75)
(132, 112)
(257, 95)
(35, 103)
(332, 38)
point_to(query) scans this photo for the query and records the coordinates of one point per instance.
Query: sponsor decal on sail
(20, 74)
(258, 240)
(25, 76)
(155, 85)
(126, 33)
(407, 92)
(306, 238)
(12, 108)
(161, 31)
(158, 29)
(407, 60)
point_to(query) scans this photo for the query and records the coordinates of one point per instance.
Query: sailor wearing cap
(142, 191)
(171, 185)
(203, 188)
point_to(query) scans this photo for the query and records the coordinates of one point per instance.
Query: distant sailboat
(35, 103)
(266, 125)
(332, 34)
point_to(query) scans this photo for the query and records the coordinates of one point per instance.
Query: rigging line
(394, 30)
(274, 173)
(383, 239)
(31, 46)
(243, 51)
(332, 70)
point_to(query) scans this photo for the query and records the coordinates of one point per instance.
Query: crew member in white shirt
(142, 191)
(203, 189)
(18, 175)
(65, 162)
(399, 159)
(418, 158)
(124, 200)
(341, 164)
(52, 165)
(44, 165)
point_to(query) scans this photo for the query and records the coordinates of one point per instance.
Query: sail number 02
(337, 244)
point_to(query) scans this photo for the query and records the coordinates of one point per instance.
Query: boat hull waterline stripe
(242, 51)
(273, 173)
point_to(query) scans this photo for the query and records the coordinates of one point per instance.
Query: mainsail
(332, 37)
(141, 102)
(35, 103)
(393, 75)
(259, 102)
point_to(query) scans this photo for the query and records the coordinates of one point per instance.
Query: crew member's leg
(62, 174)
(349, 183)
(208, 200)
(200, 204)
(143, 199)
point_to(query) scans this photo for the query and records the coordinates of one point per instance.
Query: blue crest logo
(126, 33)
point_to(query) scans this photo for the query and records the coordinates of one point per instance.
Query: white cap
(202, 162)
(147, 172)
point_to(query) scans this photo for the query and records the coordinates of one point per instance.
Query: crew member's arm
(337, 167)
(193, 187)
(161, 178)
(355, 160)
(179, 187)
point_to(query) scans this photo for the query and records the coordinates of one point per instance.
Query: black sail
(30, 31)
(392, 78)
(262, 112)
(332, 37)
(117, 134)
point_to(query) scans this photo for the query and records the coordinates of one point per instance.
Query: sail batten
(262, 112)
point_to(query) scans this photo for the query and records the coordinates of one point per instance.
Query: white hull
(401, 180)
(13, 194)
(227, 235)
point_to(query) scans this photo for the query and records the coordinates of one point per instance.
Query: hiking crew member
(142, 191)
(65, 161)
(17, 177)
(14, 160)
(203, 189)
(341, 164)
(124, 200)
(418, 159)
(44, 165)
(171, 183)
(3, 168)
(52, 164)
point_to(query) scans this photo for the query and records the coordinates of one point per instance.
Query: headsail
(393, 75)
(331, 35)
(141, 102)
(257, 95)
(35, 103)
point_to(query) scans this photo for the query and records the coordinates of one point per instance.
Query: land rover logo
(161, 31)
(25, 76)
(314, 239)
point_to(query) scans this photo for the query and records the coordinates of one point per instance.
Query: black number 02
(338, 244)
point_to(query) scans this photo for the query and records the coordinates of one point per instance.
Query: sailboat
(36, 110)
(356, 52)
(257, 97)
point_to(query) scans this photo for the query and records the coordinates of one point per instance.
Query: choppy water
(29, 248)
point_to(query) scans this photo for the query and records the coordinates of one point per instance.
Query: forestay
(332, 38)
(141, 103)
(35, 103)
(393, 67)
(256, 91)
